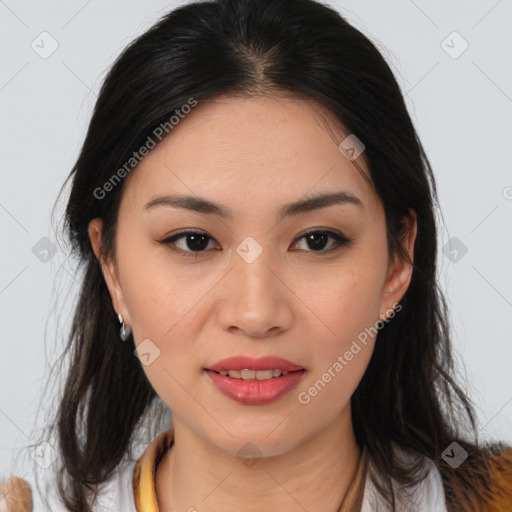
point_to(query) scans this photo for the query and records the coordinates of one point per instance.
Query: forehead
(251, 151)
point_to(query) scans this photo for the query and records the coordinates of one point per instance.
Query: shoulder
(35, 493)
(501, 480)
(426, 496)
(483, 482)
(117, 493)
(15, 495)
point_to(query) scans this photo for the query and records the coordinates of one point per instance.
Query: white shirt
(427, 496)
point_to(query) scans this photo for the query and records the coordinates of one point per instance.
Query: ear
(399, 270)
(109, 271)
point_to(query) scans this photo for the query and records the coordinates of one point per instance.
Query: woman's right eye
(194, 240)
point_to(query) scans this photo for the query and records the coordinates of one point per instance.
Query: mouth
(255, 380)
(255, 387)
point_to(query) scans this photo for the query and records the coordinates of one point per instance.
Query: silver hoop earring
(124, 332)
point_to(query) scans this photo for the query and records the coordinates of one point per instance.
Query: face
(305, 286)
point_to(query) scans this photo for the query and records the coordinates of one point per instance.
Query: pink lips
(255, 392)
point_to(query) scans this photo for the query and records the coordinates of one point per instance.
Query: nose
(257, 300)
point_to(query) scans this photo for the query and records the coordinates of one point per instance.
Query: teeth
(249, 374)
(253, 374)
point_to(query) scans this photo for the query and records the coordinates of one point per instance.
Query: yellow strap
(144, 473)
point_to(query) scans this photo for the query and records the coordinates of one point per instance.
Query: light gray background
(461, 107)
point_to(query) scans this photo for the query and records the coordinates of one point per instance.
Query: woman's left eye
(318, 238)
(197, 241)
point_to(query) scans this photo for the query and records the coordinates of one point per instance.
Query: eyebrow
(205, 206)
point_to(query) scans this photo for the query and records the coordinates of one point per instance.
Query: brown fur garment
(483, 483)
(15, 495)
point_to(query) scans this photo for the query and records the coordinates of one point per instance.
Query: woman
(252, 203)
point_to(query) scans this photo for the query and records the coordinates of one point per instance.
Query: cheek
(170, 319)
(160, 295)
(164, 308)
(346, 304)
(345, 301)
(331, 385)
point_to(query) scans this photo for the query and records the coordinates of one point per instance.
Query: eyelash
(340, 240)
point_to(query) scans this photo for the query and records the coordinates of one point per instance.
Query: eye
(195, 242)
(317, 240)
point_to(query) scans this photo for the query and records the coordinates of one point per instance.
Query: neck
(315, 475)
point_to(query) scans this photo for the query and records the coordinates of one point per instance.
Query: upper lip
(252, 363)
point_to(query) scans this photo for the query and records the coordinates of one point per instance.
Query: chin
(255, 442)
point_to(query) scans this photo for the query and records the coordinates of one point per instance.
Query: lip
(251, 363)
(255, 392)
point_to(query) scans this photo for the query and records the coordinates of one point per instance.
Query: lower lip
(255, 392)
